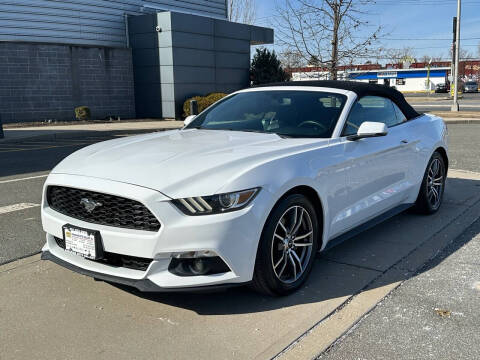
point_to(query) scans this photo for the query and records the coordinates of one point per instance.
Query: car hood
(180, 163)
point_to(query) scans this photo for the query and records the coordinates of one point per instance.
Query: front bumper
(144, 285)
(232, 236)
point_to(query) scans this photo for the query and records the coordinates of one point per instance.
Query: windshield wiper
(244, 130)
(284, 136)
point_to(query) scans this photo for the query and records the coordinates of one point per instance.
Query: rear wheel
(287, 248)
(433, 185)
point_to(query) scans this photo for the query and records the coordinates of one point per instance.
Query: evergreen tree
(266, 68)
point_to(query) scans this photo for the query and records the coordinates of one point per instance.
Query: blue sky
(413, 19)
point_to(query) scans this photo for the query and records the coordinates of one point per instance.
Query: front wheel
(433, 185)
(287, 248)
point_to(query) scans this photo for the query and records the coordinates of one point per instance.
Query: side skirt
(368, 225)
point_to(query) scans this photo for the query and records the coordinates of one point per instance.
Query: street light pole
(455, 106)
(428, 76)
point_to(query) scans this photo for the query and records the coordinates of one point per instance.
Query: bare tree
(242, 11)
(426, 58)
(291, 59)
(325, 30)
(463, 55)
(397, 56)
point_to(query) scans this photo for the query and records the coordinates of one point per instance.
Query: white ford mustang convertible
(248, 191)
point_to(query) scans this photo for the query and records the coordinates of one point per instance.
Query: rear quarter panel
(429, 132)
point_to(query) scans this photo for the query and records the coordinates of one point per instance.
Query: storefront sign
(387, 74)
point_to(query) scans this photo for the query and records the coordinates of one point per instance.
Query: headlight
(216, 204)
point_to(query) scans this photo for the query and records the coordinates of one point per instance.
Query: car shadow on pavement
(391, 252)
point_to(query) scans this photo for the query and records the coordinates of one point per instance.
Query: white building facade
(405, 80)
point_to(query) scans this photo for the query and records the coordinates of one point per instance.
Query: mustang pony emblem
(89, 205)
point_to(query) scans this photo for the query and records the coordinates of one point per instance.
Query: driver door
(377, 175)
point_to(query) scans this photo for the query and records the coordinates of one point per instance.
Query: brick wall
(43, 81)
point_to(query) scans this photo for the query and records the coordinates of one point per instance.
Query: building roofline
(400, 70)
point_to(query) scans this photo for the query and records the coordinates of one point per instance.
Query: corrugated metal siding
(87, 22)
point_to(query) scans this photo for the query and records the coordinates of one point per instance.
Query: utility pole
(455, 106)
(454, 51)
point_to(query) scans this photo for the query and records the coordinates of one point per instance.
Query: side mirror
(369, 129)
(188, 120)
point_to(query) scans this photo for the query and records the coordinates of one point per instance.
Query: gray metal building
(122, 58)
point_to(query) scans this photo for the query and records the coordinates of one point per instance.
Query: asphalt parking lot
(441, 102)
(49, 312)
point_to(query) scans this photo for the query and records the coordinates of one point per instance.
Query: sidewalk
(433, 315)
(461, 117)
(75, 130)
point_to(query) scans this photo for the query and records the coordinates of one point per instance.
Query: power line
(434, 47)
(423, 39)
(423, 2)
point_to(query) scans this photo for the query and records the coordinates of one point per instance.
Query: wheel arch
(441, 150)
(311, 194)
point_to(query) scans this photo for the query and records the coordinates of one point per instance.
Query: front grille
(117, 260)
(114, 210)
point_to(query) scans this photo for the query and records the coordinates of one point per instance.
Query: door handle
(404, 141)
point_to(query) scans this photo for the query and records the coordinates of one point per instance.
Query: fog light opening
(197, 266)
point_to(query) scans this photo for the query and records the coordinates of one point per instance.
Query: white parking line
(23, 179)
(16, 207)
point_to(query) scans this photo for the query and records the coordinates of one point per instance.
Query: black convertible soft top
(360, 88)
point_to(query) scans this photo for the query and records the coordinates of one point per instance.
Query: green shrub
(214, 97)
(83, 113)
(186, 105)
(202, 101)
(266, 68)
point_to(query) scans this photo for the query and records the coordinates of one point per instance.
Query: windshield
(471, 83)
(289, 113)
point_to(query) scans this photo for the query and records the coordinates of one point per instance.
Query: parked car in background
(471, 86)
(441, 88)
(248, 191)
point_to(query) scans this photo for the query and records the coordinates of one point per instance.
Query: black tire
(424, 203)
(265, 279)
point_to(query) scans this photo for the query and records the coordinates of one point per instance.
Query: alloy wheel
(435, 183)
(292, 244)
